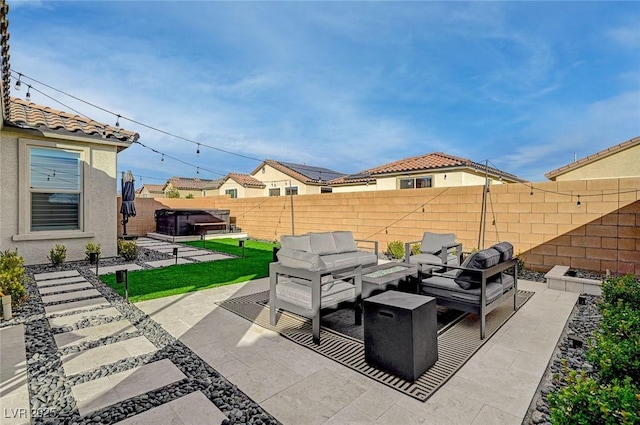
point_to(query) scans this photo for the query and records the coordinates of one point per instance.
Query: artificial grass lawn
(182, 278)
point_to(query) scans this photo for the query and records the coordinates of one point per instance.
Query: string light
(197, 170)
(28, 95)
(198, 151)
(118, 121)
(18, 83)
(578, 204)
(531, 193)
(162, 158)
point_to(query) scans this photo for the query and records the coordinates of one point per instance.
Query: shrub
(189, 196)
(586, 402)
(415, 249)
(57, 255)
(623, 288)
(396, 249)
(12, 276)
(127, 249)
(92, 247)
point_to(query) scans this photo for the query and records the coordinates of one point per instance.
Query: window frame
(233, 193)
(272, 191)
(289, 190)
(414, 181)
(24, 191)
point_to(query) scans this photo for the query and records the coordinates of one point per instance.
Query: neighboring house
(195, 187)
(150, 191)
(621, 160)
(431, 170)
(276, 178)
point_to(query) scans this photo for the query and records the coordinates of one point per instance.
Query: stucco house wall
(621, 164)
(98, 203)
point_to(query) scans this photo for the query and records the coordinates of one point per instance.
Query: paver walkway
(109, 339)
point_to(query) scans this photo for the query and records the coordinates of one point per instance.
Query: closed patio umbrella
(128, 207)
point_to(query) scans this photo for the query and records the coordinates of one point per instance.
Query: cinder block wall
(547, 228)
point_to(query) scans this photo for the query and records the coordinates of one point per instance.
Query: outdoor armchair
(436, 249)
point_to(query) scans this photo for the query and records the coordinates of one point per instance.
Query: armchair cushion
(300, 294)
(300, 260)
(479, 260)
(300, 243)
(424, 258)
(445, 287)
(323, 243)
(505, 249)
(432, 243)
(344, 242)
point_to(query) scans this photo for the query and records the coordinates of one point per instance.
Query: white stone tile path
(167, 263)
(113, 269)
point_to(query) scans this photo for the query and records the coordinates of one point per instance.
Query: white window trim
(24, 198)
(414, 178)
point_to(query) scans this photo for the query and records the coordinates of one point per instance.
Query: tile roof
(246, 180)
(5, 74)
(551, 175)
(302, 172)
(431, 161)
(187, 183)
(151, 188)
(29, 115)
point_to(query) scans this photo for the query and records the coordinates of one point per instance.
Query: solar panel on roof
(313, 173)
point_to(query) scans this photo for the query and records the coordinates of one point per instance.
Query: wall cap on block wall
(557, 278)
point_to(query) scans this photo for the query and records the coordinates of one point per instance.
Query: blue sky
(343, 85)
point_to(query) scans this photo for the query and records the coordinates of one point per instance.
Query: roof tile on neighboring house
(187, 183)
(431, 161)
(246, 180)
(29, 115)
(591, 158)
(151, 188)
(302, 172)
(4, 57)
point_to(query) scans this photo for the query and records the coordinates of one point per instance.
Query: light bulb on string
(118, 121)
(197, 170)
(28, 95)
(578, 204)
(531, 193)
(198, 151)
(162, 158)
(18, 83)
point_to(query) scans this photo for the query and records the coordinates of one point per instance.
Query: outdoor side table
(401, 333)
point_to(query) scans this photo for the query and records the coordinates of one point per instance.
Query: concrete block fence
(548, 228)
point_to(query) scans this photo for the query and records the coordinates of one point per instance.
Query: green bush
(12, 276)
(57, 255)
(586, 402)
(396, 249)
(92, 247)
(127, 249)
(623, 288)
(415, 249)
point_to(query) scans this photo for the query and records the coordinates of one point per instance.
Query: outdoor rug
(457, 341)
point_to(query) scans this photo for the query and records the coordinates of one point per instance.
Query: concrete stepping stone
(70, 296)
(55, 275)
(166, 263)
(211, 257)
(192, 409)
(72, 319)
(14, 390)
(180, 250)
(93, 333)
(97, 394)
(68, 287)
(60, 281)
(113, 269)
(105, 354)
(195, 253)
(76, 305)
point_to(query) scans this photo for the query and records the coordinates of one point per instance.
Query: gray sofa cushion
(505, 249)
(445, 287)
(300, 294)
(340, 261)
(323, 243)
(300, 260)
(432, 243)
(344, 242)
(301, 243)
(479, 260)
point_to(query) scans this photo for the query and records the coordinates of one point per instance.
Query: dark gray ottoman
(401, 333)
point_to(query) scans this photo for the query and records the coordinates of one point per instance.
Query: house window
(415, 183)
(293, 190)
(231, 192)
(274, 192)
(55, 189)
(325, 189)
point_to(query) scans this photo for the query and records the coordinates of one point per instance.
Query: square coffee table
(381, 277)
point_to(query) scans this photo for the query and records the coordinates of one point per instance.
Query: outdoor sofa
(435, 249)
(303, 281)
(480, 284)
